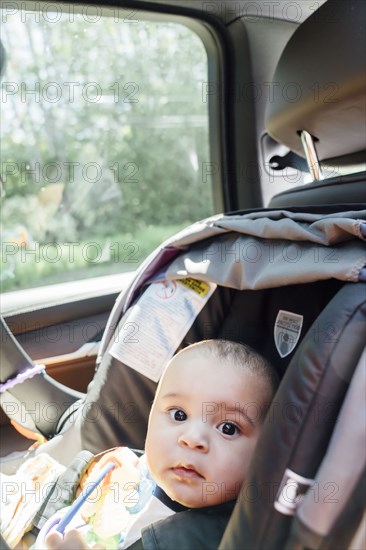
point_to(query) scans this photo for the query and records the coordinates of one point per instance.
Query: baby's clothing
(132, 511)
(185, 529)
(155, 510)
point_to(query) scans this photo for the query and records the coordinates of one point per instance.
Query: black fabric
(117, 407)
(300, 421)
(188, 529)
(172, 504)
(321, 193)
(136, 545)
(302, 537)
(194, 529)
(322, 209)
(253, 313)
(212, 317)
(342, 190)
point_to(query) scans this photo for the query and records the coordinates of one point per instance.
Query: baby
(203, 426)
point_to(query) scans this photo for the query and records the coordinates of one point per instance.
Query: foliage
(113, 138)
(28, 265)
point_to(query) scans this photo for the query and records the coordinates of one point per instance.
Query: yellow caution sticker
(200, 287)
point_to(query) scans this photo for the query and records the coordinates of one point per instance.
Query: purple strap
(22, 376)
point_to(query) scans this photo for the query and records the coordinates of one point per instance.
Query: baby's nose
(194, 438)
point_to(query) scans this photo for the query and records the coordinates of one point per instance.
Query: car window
(105, 149)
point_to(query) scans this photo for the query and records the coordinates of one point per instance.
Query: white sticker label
(292, 490)
(160, 320)
(287, 331)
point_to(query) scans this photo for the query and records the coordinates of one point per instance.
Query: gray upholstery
(320, 87)
(320, 82)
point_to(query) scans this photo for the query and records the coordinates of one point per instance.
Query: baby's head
(205, 421)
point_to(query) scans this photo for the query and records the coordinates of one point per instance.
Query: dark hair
(242, 356)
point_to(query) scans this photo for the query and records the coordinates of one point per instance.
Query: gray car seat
(300, 259)
(247, 256)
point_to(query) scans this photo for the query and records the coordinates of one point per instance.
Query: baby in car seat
(203, 428)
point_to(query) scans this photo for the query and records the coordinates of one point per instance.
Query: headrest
(319, 83)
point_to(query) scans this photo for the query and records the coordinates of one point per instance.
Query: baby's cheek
(238, 471)
(152, 460)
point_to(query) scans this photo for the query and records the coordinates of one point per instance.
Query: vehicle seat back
(324, 62)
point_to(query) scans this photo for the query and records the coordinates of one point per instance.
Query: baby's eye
(228, 428)
(177, 414)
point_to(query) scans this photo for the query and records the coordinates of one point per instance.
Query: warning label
(200, 287)
(159, 321)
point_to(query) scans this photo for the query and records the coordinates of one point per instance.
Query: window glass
(104, 141)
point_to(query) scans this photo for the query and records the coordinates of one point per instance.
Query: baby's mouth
(187, 472)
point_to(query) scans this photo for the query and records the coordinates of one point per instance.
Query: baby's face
(203, 428)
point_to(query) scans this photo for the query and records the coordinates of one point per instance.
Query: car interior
(285, 95)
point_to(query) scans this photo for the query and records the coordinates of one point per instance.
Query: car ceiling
(229, 10)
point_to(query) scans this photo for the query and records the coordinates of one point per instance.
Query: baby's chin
(189, 499)
(207, 495)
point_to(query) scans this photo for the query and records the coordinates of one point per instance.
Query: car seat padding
(300, 421)
(117, 405)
